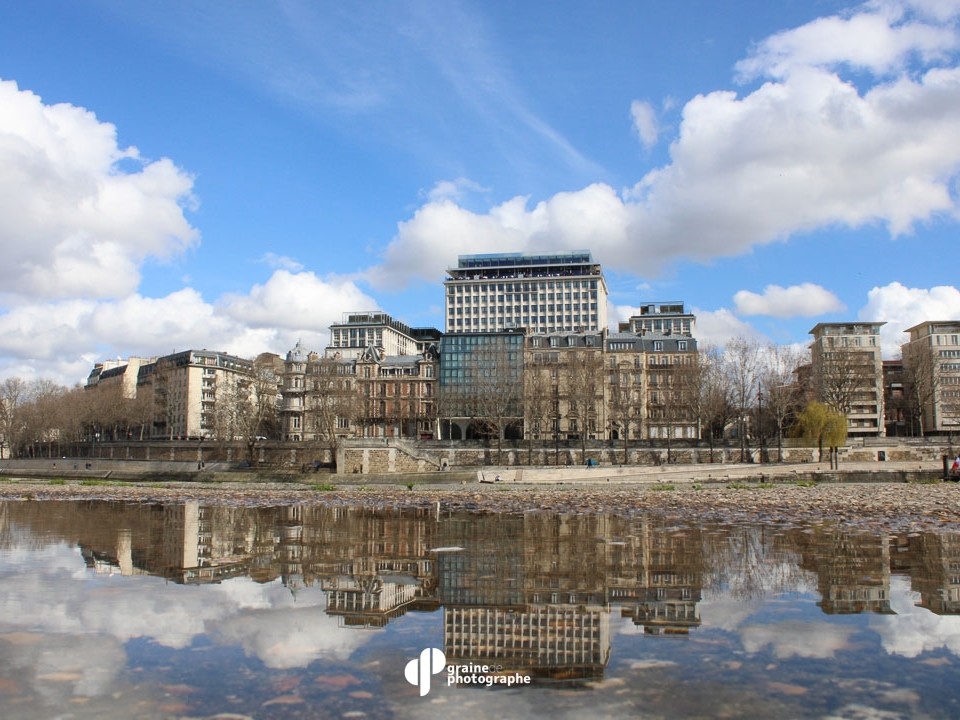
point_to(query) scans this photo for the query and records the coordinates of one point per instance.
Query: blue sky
(237, 175)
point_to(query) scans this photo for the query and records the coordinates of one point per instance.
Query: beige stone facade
(197, 394)
(847, 374)
(931, 375)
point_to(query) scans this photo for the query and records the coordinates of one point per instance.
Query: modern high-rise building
(557, 292)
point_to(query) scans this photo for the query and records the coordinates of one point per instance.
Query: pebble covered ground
(897, 507)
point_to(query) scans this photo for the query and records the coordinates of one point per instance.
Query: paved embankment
(890, 506)
(704, 473)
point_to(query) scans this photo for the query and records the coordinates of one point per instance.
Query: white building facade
(560, 292)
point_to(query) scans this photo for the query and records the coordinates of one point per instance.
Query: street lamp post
(760, 419)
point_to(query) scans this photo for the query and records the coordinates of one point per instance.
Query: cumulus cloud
(291, 639)
(879, 40)
(902, 307)
(718, 327)
(797, 639)
(805, 300)
(645, 122)
(913, 630)
(78, 213)
(271, 317)
(281, 262)
(296, 301)
(807, 149)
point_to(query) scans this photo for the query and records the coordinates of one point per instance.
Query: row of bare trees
(745, 391)
(42, 418)
(39, 417)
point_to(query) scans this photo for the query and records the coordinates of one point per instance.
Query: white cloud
(913, 630)
(430, 241)
(805, 300)
(645, 122)
(296, 301)
(902, 307)
(290, 639)
(271, 317)
(281, 262)
(805, 151)
(797, 639)
(454, 190)
(74, 222)
(77, 223)
(876, 41)
(718, 327)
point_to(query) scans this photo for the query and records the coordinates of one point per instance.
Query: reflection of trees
(749, 563)
(382, 562)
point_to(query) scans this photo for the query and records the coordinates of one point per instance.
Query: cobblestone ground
(896, 507)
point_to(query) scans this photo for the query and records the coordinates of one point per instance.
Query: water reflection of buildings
(669, 580)
(534, 592)
(853, 570)
(528, 596)
(373, 567)
(933, 562)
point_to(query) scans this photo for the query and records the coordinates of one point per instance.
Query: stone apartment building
(931, 376)
(119, 374)
(847, 374)
(561, 385)
(650, 386)
(197, 394)
(565, 386)
(373, 328)
(359, 388)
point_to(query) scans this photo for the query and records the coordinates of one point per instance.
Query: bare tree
(334, 401)
(495, 387)
(43, 424)
(841, 375)
(921, 381)
(584, 374)
(742, 368)
(13, 422)
(624, 387)
(780, 391)
(714, 404)
(537, 392)
(257, 403)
